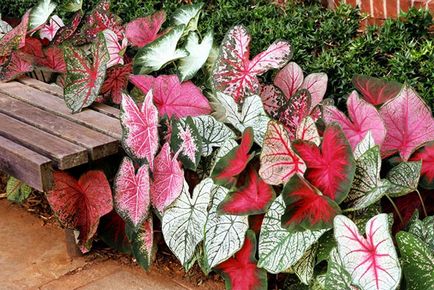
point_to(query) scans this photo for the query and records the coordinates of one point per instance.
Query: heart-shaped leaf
(142, 31)
(307, 131)
(116, 82)
(40, 13)
(404, 178)
(304, 268)
(49, 30)
(140, 128)
(278, 161)
(371, 262)
(115, 49)
(376, 91)
(337, 278)
(426, 154)
(235, 74)
(289, 79)
(16, 190)
(187, 15)
(186, 141)
(423, 229)
(409, 124)
(329, 168)
(88, 199)
(15, 38)
(142, 243)
(240, 271)
(316, 84)
(183, 222)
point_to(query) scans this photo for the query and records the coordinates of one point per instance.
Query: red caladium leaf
(240, 272)
(116, 50)
(132, 192)
(278, 161)
(16, 38)
(363, 117)
(289, 79)
(235, 74)
(140, 137)
(32, 50)
(66, 32)
(84, 78)
(49, 30)
(172, 97)
(409, 124)
(426, 154)
(306, 207)
(253, 198)
(53, 59)
(15, 67)
(80, 204)
(330, 168)
(376, 91)
(142, 31)
(294, 111)
(235, 161)
(168, 179)
(111, 230)
(116, 82)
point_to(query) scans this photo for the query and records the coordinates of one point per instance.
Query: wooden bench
(39, 134)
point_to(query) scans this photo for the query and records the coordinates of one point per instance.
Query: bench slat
(26, 165)
(92, 119)
(63, 153)
(99, 145)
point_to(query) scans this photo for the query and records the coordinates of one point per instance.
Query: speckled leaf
(16, 190)
(40, 13)
(15, 38)
(404, 178)
(294, 111)
(272, 100)
(424, 230)
(142, 243)
(337, 278)
(186, 142)
(305, 266)
(307, 131)
(364, 145)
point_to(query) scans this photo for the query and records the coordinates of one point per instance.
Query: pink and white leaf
(272, 99)
(307, 131)
(116, 50)
(142, 31)
(372, 261)
(49, 30)
(289, 79)
(293, 112)
(316, 84)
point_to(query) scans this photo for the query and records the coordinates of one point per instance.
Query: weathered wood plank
(89, 118)
(26, 165)
(58, 91)
(64, 154)
(98, 145)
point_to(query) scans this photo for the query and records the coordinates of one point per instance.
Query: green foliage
(17, 191)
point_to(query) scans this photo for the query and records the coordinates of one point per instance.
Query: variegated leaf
(307, 131)
(316, 84)
(116, 50)
(404, 178)
(226, 147)
(187, 15)
(40, 13)
(367, 143)
(49, 30)
(423, 229)
(186, 142)
(142, 243)
(337, 278)
(4, 28)
(14, 38)
(305, 266)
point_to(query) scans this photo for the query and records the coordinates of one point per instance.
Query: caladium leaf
(307, 131)
(16, 190)
(371, 262)
(289, 79)
(329, 168)
(316, 84)
(252, 115)
(224, 234)
(115, 49)
(49, 30)
(235, 74)
(53, 59)
(84, 77)
(187, 15)
(240, 271)
(409, 124)
(234, 162)
(140, 128)
(172, 97)
(337, 278)
(227, 146)
(40, 13)
(376, 91)
(155, 55)
(280, 248)
(305, 266)
(254, 197)
(423, 229)
(278, 161)
(15, 38)
(306, 207)
(132, 193)
(4, 28)
(293, 111)
(66, 32)
(364, 117)
(89, 198)
(142, 31)
(111, 230)
(116, 82)
(272, 99)
(367, 143)
(426, 154)
(183, 222)
(72, 5)
(142, 243)
(197, 55)
(15, 67)
(186, 141)
(404, 178)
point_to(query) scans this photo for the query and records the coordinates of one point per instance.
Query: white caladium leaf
(4, 28)
(307, 131)
(49, 30)
(224, 234)
(278, 161)
(252, 115)
(212, 132)
(280, 248)
(337, 278)
(158, 53)
(404, 178)
(197, 55)
(115, 48)
(40, 13)
(187, 15)
(371, 262)
(367, 143)
(142, 242)
(183, 222)
(186, 142)
(304, 267)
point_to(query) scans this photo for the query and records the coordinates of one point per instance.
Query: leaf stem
(396, 209)
(422, 203)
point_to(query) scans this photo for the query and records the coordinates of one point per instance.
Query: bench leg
(71, 246)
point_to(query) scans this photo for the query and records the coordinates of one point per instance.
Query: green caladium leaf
(224, 234)
(305, 266)
(325, 245)
(423, 229)
(417, 262)
(72, 5)
(186, 142)
(17, 191)
(280, 248)
(158, 53)
(142, 242)
(337, 278)
(40, 13)
(197, 55)
(404, 178)
(367, 143)
(187, 15)
(362, 216)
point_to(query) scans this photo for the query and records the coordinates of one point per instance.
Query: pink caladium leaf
(142, 242)
(363, 117)
(49, 30)
(66, 32)
(254, 197)
(15, 67)
(372, 262)
(116, 82)
(15, 38)
(331, 167)
(88, 199)
(132, 193)
(240, 272)
(53, 59)
(409, 124)
(115, 48)
(426, 154)
(140, 128)
(172, 97)
(186, 142)
(376, 91)
(289, 79)
(292, 113)
(168, 179)
(142, 31)
(84, 77)
(272, 99)
(316, 84)
(278, 161)
(235, 74)
(306, 207)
